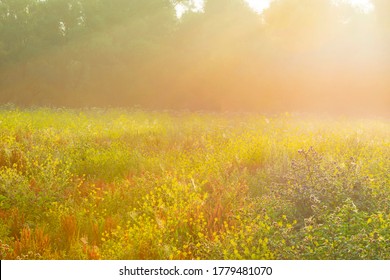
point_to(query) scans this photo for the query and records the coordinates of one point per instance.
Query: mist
(295, 56)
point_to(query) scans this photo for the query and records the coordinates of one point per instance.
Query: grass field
(117, 184)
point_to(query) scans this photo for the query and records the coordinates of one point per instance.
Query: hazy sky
(260, 5)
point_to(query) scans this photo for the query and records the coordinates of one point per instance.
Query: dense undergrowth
(116, 184)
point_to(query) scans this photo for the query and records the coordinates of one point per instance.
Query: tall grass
(118, 184)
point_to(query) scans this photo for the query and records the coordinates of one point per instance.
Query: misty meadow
(112, 184)
(175, 130)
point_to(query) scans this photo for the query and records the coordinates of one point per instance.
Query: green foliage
(346, 233)
(314, 182)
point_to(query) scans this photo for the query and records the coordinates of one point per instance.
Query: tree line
(297, 55)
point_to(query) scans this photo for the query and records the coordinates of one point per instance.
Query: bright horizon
(259, 6)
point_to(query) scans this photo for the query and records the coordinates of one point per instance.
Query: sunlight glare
(259, 5)
(182, 8)
(366, 6)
